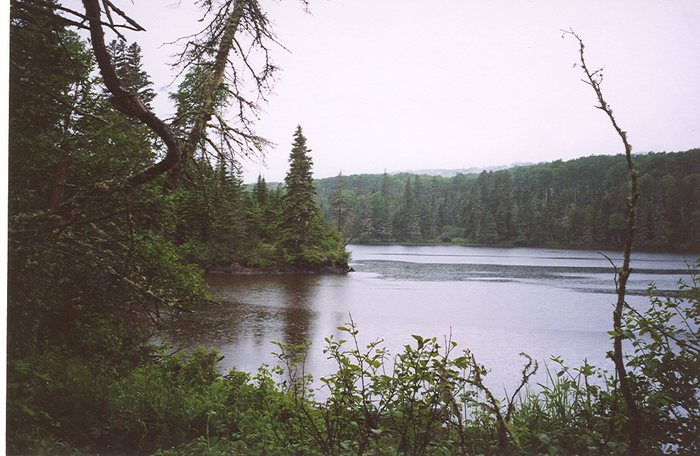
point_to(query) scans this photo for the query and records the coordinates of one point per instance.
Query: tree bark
(214, 81)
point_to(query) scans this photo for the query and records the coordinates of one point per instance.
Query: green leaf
(420, 341)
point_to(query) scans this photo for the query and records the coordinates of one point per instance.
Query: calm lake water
(496, 301)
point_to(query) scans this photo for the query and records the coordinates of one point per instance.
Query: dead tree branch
(212, 84)
(233, 52)
(123, 100)
(594, 79)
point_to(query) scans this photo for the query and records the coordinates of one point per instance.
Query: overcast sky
(411, 84)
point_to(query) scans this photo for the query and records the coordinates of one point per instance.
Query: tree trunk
(213, 83)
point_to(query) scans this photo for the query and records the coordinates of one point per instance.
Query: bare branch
(235, 42)
(595, 78)
(136, 27)
(615, 269)
(528, 371)
(73, 19)
(212, 84)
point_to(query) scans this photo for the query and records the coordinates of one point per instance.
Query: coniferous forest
(577, 204)
(114, 215)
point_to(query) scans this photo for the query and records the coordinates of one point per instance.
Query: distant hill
(454, 172)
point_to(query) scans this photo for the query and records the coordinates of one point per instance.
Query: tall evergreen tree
(260, 191)
(300, 209)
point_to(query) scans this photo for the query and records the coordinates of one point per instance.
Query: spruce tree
(129, 69)
(260, 191)
(300, 209)
(339, 203)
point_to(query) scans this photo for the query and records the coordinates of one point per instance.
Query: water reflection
(297, 293)
(252, 312)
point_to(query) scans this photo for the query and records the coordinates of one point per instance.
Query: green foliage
(49, 78)
(575, 412)
(128, 66)
(95, 268)
(160, 404)
(666, 366)
(90, 273)
(218, 222)
(430, 400)
(61, 280)
(339, 204)
(190, 98)
(221, 224)
(300, 223)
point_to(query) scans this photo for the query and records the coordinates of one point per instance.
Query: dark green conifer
(128, 66)
(300, 208)
(339, 203)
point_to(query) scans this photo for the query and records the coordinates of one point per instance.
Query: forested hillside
(576, 203)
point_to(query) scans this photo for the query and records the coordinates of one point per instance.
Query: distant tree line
(576, 203)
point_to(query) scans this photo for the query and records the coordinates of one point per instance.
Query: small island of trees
(228, 227)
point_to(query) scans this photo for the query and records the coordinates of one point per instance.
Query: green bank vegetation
(113, 213)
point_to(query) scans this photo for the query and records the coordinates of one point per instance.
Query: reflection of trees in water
(296, 293)
(212, 326)
(296, 314)
(249, 307)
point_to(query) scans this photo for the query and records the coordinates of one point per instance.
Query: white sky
(411, 84)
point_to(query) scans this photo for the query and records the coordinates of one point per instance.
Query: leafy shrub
(666, 366)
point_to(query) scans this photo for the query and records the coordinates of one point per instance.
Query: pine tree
(230, 235)
(136, 78)
(264, 210)
(260, 191)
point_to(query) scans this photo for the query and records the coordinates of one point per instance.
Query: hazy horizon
(471, 169)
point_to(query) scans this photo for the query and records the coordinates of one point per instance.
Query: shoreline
(234, 269)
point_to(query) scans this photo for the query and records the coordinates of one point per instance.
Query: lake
(498, 302)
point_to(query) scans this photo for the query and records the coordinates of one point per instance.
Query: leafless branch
(594, 79)
(213, 81)
(528, 371)
(615, 269)
(235, 45)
